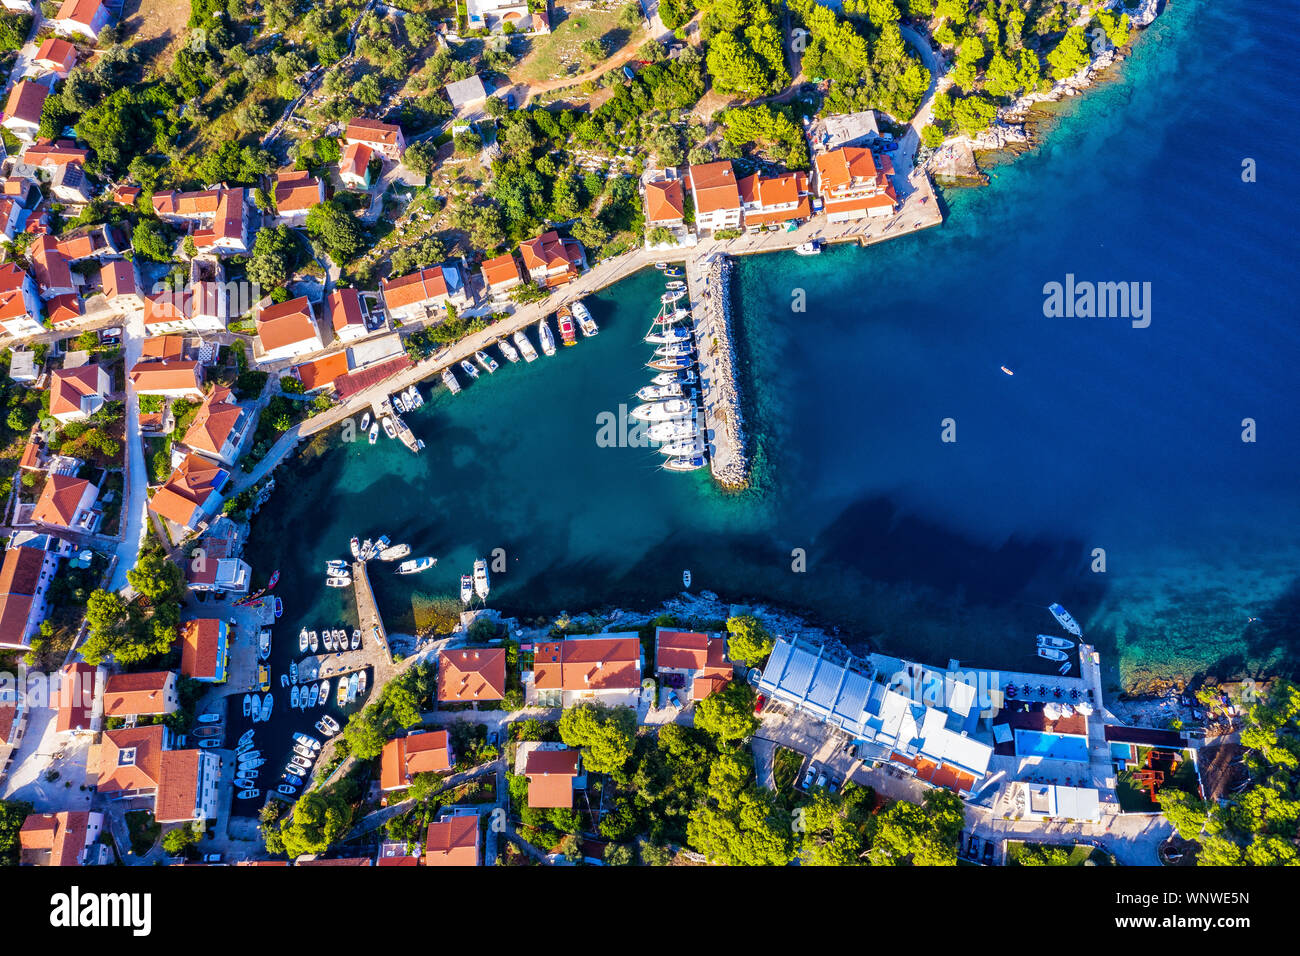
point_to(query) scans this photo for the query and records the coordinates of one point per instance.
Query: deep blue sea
(1106, 437)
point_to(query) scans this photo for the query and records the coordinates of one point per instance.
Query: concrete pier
(722, 421)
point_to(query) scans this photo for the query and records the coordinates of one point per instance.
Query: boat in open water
(481, 585)
(525, 347)
(395, 552)
(1066, 621)
(416, 565)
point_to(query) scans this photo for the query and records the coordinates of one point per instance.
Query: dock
(723, 423)
(383, 407)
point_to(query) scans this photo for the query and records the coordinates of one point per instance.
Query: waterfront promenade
(919, 210)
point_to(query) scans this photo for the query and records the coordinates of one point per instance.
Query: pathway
(135, 485)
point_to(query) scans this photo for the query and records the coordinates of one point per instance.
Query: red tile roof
(188, 488)
(62, 835)
(57, 53)
(323, 371)
(343, 308)
(214, 423)
(452, 842)
(372, 131)
(714, 185)
(503, 270)
(592, 663)
(296, 190)
(403, 758)
(200, 646)
(26, 100)
(550, 776)
(69, 386)
(60, 500)
(140, 693)
(76, 697)
(665, 201)
(178, 785)
(286, 323)
(20, 576)
(166, 376)
(472, 673)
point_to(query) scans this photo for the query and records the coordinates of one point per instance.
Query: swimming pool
(1036, 743)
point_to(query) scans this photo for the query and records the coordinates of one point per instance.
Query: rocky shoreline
(723, 407)
(1009, 132)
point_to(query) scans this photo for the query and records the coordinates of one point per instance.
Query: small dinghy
(1052, 654)
(248, 705)
(293, 696)
(356, 638)
(686, 578)
(1060, 643)
(248, 794)
(303, 640)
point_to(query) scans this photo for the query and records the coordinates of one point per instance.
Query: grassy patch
(785, 767)
(1075, 855)
(558, 54)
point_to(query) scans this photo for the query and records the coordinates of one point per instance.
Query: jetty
(723, 424)
(383, 407)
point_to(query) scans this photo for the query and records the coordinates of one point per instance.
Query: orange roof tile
(355, 159)
(665, 201)
(550, 776)
(60, 500)
(714, 185)
(592, 663)
(76, 697)
(200, 647)
(178, 785)
(140, 693)
(186, 490)
(166, 376)
(372, 131)
(286, 323)
(62, 834)
(472, 673)
(296, 190)
(26, 100)
(343, 308)
(322, 371)
(452, 842)
(403, 758)
(69, 386)
(214, 422)
(501, 270)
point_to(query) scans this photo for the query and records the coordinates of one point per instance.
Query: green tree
(180, 839)
(926, 835)
(728, 714)
(275, 254)
(12, 815)
(336, 230)
(1040, 854)
(157, 578)
(738, 823)
(153, 240)
(618, 854)
(317, 821)
(1070, 55)
(748, 641)
(605, 734)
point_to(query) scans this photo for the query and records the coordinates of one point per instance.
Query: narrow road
(136, 483)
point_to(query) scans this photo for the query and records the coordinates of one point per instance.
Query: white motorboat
(395, 552)
(303, 640)
(307, 740)
(449, 379)
(315, 644)
(1060, 643)
(373, 436)
(361, 684)
(304, 752)
(399, 402)
(298, 760)
(382, 542)
(585, 322)
(389, 428)
(669, 335)
(252, 763)
(356, 638)
(246, 736)
(264, 644)
(481, 585)
(365, 422)
(688, 448)
(413, 397)
(355, 545)
(320, 725)
(248, 703)
(416, 565)
(341, 639)
(671, 431)
(336, 566)
(330, 723)
(324, 693)
(1052, 654)
(657, 393)
(668, 298)
(338, 582)
(547, 337)
(661, 265)
(664, 363)
(669, 410)
(255, 711)
(488, 362)
(676, 350)
(468, 369)
(675, 285)
(525, 347)
(684, 464)
(309, 698)
(686, 377)
(342, 697)
(668, 317)
(354, 681)
(686, 578)
(466, 588)
(293, 697)
(810, 248)
(508, 351)
(1066, 621)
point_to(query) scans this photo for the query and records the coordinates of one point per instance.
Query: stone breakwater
(720, 392)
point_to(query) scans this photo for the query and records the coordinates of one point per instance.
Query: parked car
(851, 748)
(972, 848)
(832, 787)
(674, 699)
(809, 776)
(821, 779)
(988, 852)
(758, 704)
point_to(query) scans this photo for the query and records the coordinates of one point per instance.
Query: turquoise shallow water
(1106, 437)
